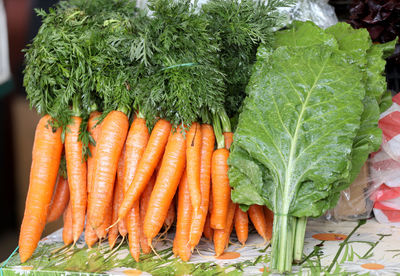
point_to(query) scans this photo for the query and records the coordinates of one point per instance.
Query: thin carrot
(184, 218)
(144, 204)
(77, 174)
(102, 230)
(133, 223)
(94, 128)
(193, 155)
(221, 237)
(207, 148)
(90, 235)
(46, 156)
(67, 230)
(228, 136)
(60, 199)
(221, 191)
(147, 164)
(112, 137)
(122, 224)
(241, 225)
(269, 219)
(175, 248)
(208, 231)
(257, 217)
(172, 167)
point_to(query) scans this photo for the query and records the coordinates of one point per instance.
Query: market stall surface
(345, 248)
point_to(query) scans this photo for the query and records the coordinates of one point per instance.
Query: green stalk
(76, 111)
(218, 132)
(124, 110)
(282, 243)
(225, 121)
(301, 224)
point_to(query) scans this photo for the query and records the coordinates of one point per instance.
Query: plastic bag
(377, 187)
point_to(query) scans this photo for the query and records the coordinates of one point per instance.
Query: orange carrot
(102, 230)
(184, 218)
(241, 225)
(175, 248)
(207, 148)
(122, 224)
(193, 154)
(256, 214)
(221, 191)
(112, 137)
(118, 196)
(221, 237)
(144, 204)
(67, 230)
(60, 200)
(46, 156)
(208, 231)
(172, 167)
(147, 164)
(77, 173)
(169, 220)
(269, 219)
(228, 137)
(94, 129)
(133, 223)
(90, 236)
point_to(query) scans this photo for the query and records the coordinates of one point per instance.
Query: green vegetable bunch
(307, 126)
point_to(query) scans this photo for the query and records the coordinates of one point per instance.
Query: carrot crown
(218, 131)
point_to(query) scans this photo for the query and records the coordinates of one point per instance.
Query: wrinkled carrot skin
(94, 130)
(77, 176)
(118, 196)
(67, 230)
(183, 223)
(144, 204)
(207, 148)
(172, 167)
(221, 237)
(152, 154)
(102, 230)
(60, 200)
(90, 236)
(208, 231)
(228, 137)
(114, 129)
(133, 224)
(169, 220)
(193, 155)
(241, 225)
(257, 217)
(46, 156)
(221, 191)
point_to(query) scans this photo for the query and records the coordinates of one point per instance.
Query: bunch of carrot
(127, 186)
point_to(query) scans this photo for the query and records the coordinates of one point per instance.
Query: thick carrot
(269, 219)
(207, 148)
(184, 218)
(221, 191)
(94, 129)
(221, 237)
(46, 156)
(172, 167)
(114, 129)
(208, 231)
(133, 223)
(193, 155)
(241, 225)
(90, 236)
(147, 164)
(60, 200)
(144, 204)
(67, 230)
(228, 137)
(257, 217)
(102, 230)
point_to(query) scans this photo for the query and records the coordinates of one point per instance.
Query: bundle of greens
(307, 126)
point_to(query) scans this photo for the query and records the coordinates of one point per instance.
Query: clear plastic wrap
(377, 187)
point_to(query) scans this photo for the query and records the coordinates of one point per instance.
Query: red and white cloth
(385, 167)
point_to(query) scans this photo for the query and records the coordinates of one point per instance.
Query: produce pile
(139, 110)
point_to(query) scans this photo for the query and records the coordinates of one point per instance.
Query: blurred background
(18, 25)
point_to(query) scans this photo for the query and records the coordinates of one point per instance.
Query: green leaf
(304, 90)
